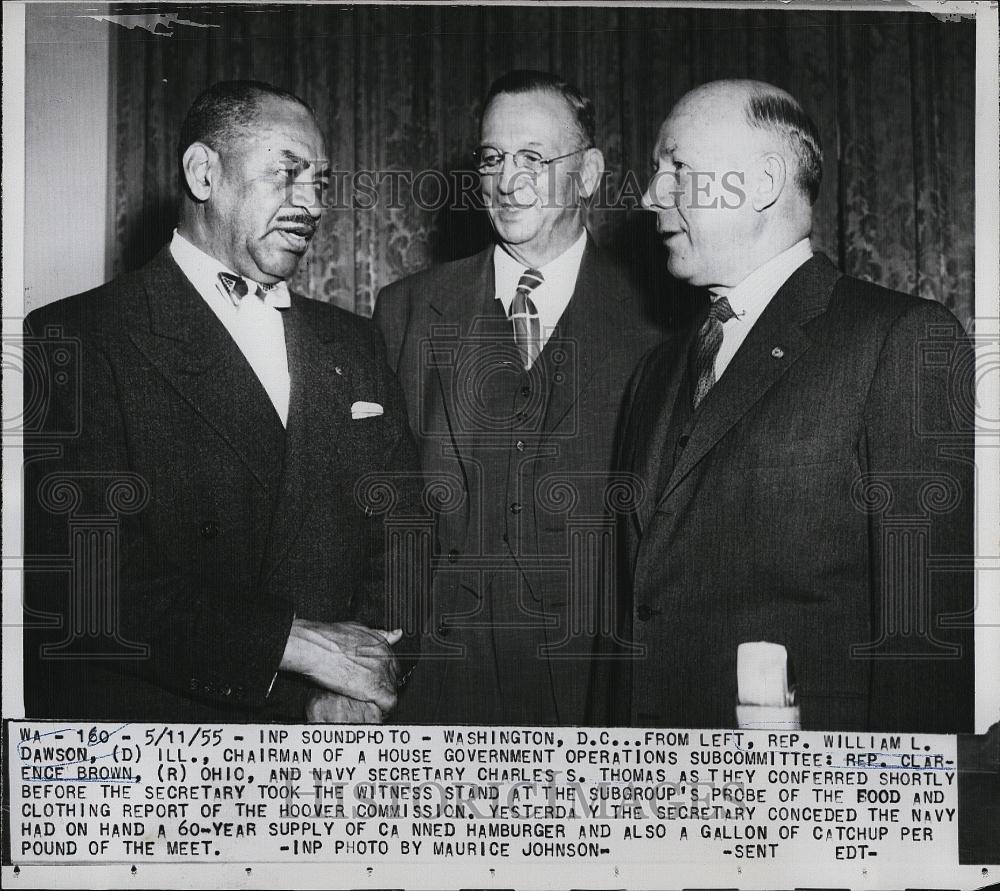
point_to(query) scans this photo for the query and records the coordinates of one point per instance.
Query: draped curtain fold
(397, 91)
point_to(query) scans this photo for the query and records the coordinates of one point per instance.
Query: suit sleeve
(118, 604)
(917, 456)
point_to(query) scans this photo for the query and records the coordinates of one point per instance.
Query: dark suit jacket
(426, 320)
(173, 526)
(823, 502)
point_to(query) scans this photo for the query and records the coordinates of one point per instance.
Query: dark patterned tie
(707, 348)
(524, 316)
(236, 288)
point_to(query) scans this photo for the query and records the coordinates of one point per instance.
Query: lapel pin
(338, 370)
(777, 353)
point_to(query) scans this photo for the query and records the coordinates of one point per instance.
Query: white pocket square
(365, 410)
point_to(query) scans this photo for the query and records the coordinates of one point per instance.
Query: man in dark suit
(514, 362)
(199, 543)
(807, 449)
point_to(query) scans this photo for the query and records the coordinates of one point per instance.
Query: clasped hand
(353, 665)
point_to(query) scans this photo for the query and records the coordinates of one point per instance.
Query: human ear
(591, 171)
(199, 164)
(771, 174)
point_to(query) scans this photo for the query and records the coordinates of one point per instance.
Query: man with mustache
(223, 433)
(808, 446)
(514, 362)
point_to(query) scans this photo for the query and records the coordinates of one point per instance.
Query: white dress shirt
(752, 295)
(255, 325)
(552, 296)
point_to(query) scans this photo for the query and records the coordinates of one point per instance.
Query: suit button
(683, 441)
(515, 508)
(525, 392)
(453, 556)
(519, 445)
(643, 613)
(208, 529)
(443, 631)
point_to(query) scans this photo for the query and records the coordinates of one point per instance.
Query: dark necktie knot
(529, 280)
(721, 311)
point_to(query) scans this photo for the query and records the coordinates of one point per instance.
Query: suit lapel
(181, 336)
(583, 333)
(458, 305)
(650, 434)
(323, 367)
(776, 342)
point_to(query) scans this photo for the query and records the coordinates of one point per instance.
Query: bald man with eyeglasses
(513, 363)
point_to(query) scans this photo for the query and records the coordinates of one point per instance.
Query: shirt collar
(202, 270)
(560, 272)
(750, 297)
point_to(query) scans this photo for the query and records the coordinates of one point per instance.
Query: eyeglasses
(490, 160)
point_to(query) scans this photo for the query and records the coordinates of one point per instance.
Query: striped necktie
(524, 316)
(707, 347)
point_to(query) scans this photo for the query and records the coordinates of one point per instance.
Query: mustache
(300, 223)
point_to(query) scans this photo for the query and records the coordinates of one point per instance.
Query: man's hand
(345, 658)
(333, 708)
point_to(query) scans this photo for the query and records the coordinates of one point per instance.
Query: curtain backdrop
(398, 89)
